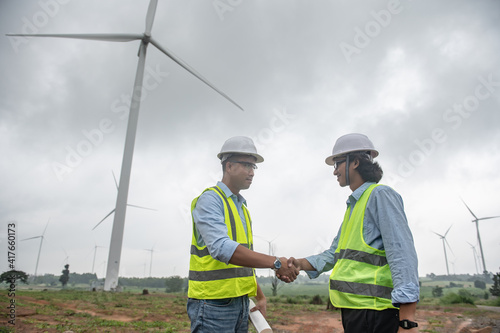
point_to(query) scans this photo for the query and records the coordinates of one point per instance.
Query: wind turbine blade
(150, 16)
(192, 71)
(31, 238)
(45, 228)
(105, 217)
(100, 37)
(438, 234)
(469, 209)
(449, 246)
(141, 207)
(447, 231)
(487, 218)
(116, 183)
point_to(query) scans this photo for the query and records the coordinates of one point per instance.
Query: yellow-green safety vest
(361, 277)
(213, 279)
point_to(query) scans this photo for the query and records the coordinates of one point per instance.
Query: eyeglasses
(249, 166)
(338, 163)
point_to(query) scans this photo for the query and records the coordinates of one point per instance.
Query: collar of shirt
(237, 198)
(354, 197)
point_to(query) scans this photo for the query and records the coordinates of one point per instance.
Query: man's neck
(230, 186)
(356, 182)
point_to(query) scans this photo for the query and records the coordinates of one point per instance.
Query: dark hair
(369, 170)
(231, 159)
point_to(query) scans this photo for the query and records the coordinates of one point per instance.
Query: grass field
(80, 310)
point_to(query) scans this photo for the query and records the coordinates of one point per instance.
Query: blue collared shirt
(211, 229)
(385, 228)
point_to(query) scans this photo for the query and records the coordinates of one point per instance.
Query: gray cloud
(399, 80)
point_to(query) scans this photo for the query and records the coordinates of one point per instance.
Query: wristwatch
(407, 324)
(277, 264)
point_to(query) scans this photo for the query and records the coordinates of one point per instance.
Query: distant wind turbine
(65, 261)
(113, 210)
(95, 252)
(443, 238)
(474, 252)
(115, 247)
(151, 261)
(271, 246)
(40, 248)
(476, 220)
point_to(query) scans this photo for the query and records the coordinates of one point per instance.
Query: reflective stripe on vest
(361, 289)
(372, 259)
(212, 279)
(361, 277)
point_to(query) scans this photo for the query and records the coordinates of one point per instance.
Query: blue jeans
(225, 315)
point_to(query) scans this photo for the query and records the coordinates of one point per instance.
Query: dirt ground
(40, 315)
(429, 321)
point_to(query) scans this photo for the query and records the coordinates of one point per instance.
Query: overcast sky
(420, 78)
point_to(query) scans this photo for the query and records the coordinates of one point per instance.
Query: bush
(174, 284)
(463, 297)
(495, 289)
(480, 284)
(437, 291)
(316, 300)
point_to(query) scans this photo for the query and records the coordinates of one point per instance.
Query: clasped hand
(288, 271)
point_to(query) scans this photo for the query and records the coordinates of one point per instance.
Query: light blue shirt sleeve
(211, 229)
(386, 212)
(323, 262)
(385, 228)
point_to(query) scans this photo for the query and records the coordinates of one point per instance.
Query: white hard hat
(349, 143)
(241, 145)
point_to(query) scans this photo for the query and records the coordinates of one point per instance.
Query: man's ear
(355, 163)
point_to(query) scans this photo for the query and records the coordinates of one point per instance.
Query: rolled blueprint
(258, 320)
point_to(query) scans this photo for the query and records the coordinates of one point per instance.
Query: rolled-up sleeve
(211, 229)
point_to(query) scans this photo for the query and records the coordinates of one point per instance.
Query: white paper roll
(258, 320)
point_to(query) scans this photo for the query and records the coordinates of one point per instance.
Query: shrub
(495, 289)
(316, 300)
(463, 297)
(480, 284)
(437, 291)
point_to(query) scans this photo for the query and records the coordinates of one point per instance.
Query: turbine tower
(40, 248)
(115, 248)
(151, 260)
(476, 220)
(474, 253)
(445, 242)
(95, 252)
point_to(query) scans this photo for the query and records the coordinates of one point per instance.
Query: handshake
(290, 269)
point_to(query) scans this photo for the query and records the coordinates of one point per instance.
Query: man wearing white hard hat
(374, 279)
(221, 269)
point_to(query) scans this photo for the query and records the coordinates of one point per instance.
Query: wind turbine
(151, 261)
(476, 220)
(271, 246)
(95, 252)
(65, 261)
(112, 211)
(474, 253)
(443, 238)
(115, 247)
(40, 248)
